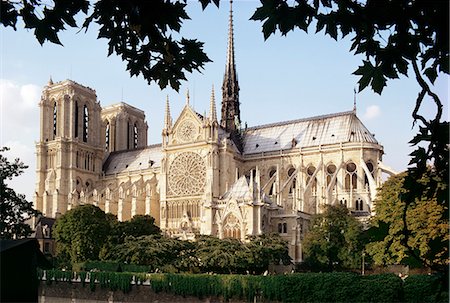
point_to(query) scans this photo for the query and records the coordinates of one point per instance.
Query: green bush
(303, 287)
(103, 266)
(134, 268)
(425, 288)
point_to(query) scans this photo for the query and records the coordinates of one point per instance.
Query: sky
(284, 78)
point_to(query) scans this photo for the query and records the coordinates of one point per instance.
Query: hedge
(425, 288)
(302, 287)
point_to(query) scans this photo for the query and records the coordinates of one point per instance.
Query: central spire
(231, 116)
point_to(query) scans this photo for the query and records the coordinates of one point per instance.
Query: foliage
(425, 288)
(389, 33)
(268, 249)
(334, 240)
(140, 32)
(154, 251)
(139, 225)
(207, 254)
(307, 287)
(15, 210)
(222, 256)
(427, 226)
(81, 232)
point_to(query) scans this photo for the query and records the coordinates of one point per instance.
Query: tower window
(107, 137)
(55, 119)
(85, 124)
(135, 136)
(128, 135)
(76, 119)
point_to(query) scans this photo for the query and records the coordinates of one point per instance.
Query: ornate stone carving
(187, 131)
(187, 175)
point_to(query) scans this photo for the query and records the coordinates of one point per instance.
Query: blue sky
(283, 78)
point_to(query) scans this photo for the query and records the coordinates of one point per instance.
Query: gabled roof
(321, 130)
(133, 160)
(241, 191)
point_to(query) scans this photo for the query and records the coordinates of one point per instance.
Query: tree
(393, 36)
(156, 251)
(139, 225)
(140, 32)
(81, 233)
(266, 250)
(428, 227)
(334, 240)
(15, 210)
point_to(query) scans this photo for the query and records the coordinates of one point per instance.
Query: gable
(188, 127)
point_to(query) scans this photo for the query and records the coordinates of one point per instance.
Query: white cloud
(372, 112)
(30, 95)
(19, 128)
(24, 183)
(19, 111)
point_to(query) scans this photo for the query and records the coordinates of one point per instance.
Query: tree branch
(426, 88)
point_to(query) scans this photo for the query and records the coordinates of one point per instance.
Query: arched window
(331, 169)
(291, 171)
(370, 167)
(343, 202)
(310, 171)
(272, 172)
(284, 228)
(55, 119)
(85, 123)
(75, 126)
(135, 136)
(231, 227)
(128, 134)
(292, 188)
(359, 204)
(107, 135)
(350, 176)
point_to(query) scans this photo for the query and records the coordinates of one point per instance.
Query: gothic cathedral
(207, 176)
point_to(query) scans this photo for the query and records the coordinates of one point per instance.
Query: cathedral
(208, 176)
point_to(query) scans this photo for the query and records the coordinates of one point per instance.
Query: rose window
(187, 131)
(187, 175)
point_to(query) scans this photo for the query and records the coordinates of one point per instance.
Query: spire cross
(354, 99)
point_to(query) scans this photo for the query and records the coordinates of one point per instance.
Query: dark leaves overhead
(389, 33)
(140, 32)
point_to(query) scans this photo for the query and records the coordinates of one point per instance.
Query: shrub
(425, 288)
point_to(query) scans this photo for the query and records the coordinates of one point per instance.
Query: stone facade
(207, 176)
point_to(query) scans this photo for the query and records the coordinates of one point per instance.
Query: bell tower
(69, 150)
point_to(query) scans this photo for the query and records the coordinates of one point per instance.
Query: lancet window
(55, 119)
(310, 172)
(85, 123)
(366, 180)
(359, 204)
(231, 227)
(330, 171)
(107, 136)
(75, 126)
(351, 177)
(135, 136)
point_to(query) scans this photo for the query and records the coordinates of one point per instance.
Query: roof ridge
(302, 120)
(135, 149)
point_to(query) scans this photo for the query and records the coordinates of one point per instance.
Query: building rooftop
(133, 160)
(308, 132)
